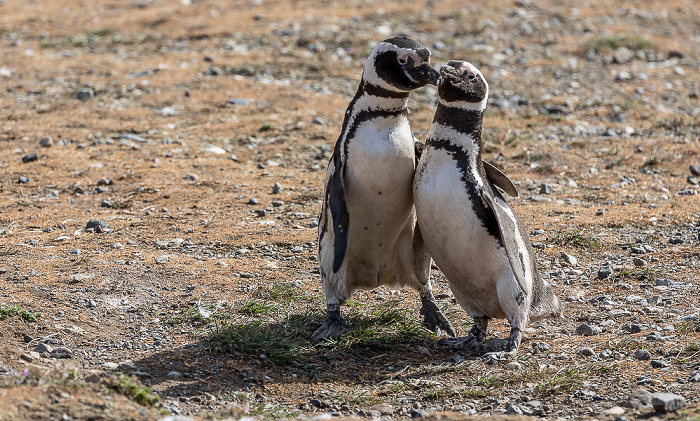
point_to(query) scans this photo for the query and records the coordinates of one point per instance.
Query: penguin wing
(511, 237)
(499, 179)
(340, 218)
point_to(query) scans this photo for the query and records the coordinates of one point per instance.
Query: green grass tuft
(132, 388)
(577, 239)
(6, 312)
(614, 42)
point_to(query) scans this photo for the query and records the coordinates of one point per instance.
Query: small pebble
(29, 158)
(659, 364)
(545, 189)
(276, 188)
(586, 352)
(642, 354)
(588, 330)
(98, 226)
(46, 142)
(513, 366)
(604, 272)
(569, 259)
(252, 201)
(23, 180)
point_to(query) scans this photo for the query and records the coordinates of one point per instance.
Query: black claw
(433, 318)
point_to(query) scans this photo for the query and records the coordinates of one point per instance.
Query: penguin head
(400, 64)
(463, 85)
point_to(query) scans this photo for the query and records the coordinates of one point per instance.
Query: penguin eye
(402, 61)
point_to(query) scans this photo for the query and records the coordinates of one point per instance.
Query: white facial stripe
(471, 106)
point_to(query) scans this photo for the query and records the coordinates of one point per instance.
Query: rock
(319, 121)
(28, 338)
(623, 76)
(41, 348)
(638, 262)
(174, 374)
(180, 418)
(46, 142)
(513, 366)
(85, 93)
(659, 364)
(29, 158)
(106, 203)
(586, 352)
(604, 272)
(23, 180)
(615, 411)
(276, 188)
(513, 409)
(569, 259)
(667, 402)
(642, 354)
(98, 226)
(545, 189)
(61, 352)
(694, 378)
(213, 149)
(191, 177)
(639, 398)
(623, 55)
(213, 71)
(261, 212)
(384, 408)
(417, 413)
(695, 169)
(104, 181)
(110, 366)
(239, 101)
(588, 330)
(687, 192)
(131, 137)
(252, 201)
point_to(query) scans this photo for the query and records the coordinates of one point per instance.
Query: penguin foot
(469, 343)
(516, 336)
(433, 318)
(332, 328)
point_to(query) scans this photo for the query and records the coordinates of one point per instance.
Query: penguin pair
(368, 234)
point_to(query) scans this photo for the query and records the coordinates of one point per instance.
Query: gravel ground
(161, 168)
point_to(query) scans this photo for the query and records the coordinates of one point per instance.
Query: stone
(98, 226)
(417, 413)
(23, 180)
(667, 402)
(694, 378)
(384, 408)
(174, 374)
(61, 352)
(513, 366)
(276, 188)
(191, 177)
(615, 411)
(639, 398)
(46, 142)
(659, 364)
(239, 101)
(569, 259)
(642, 354)
(588, 330)
(218, 150)
(513, 409)
(545, 189)
(252, 201)
(623, 55)
(30, 158)
(695, 169)
(41, 348)
(85, 93)
(638, 262)
(604, 272)
(586, 352)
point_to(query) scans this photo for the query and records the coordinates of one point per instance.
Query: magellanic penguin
(471, 232)
(367, 231)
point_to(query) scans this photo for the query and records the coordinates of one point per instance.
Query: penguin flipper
(499, 179)
(340, 218)
(511, 237)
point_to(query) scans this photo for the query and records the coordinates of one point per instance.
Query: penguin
(367, 233)
(470, 231)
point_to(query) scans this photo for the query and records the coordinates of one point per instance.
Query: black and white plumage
(470, 230)
(367, 231)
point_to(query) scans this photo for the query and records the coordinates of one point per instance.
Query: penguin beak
(427, 74)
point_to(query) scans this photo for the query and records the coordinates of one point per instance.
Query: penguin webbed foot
(469, 343)
(516, 336)
(333, 327)
(433, 319)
